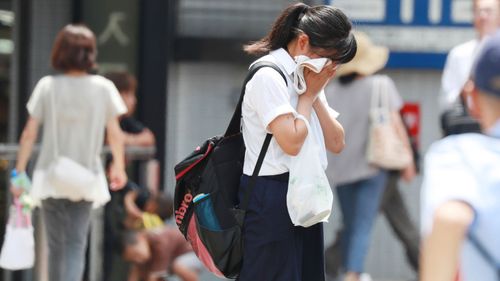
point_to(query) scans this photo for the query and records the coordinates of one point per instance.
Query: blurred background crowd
(179, 65)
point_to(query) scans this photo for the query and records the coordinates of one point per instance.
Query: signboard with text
(419, 33)
(115, 23)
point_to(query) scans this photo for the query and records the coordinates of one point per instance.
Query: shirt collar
(495, 130)
(284, 58)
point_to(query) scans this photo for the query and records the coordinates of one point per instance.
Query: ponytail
(282, 32)
(327, 27)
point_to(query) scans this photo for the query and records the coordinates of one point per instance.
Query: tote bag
(18, 250)
(385, 147)
(309, 197)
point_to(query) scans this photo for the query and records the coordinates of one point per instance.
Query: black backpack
(206, 204)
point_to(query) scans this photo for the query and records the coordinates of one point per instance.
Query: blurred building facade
(188, 58)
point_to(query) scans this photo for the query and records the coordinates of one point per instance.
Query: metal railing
(8, 152)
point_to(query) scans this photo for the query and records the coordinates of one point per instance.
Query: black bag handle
(235, 124)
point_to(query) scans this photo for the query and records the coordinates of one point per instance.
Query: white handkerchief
(316, 65)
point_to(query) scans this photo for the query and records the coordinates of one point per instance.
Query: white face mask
(302, 61)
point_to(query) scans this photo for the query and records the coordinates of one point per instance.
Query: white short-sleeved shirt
(267, 97)
(83, 106)
(457, 71)
(466, 168)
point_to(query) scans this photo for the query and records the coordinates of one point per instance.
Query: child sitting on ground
(145, 209)
(156, 253)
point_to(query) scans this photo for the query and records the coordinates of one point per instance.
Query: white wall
(202, 97)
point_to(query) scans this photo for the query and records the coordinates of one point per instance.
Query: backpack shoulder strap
(235, 124)
(234, 128)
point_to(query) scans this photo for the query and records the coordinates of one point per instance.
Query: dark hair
(123, 80)
(74, 49)
(327, 28)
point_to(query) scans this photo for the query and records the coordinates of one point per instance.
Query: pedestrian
(394, 208)
(461, 187)
(359, 184)
(74, 107)
(136, 133)
(274, 248)
(454, 116)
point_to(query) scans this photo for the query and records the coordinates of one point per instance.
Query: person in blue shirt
(461, 187)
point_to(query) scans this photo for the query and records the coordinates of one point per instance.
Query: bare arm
(28, 139)
(118, 177)
(289, 132)
(333, 131)
(144, 138)
(184, 273)
(130, 206)
(441, 249)
(26, 143)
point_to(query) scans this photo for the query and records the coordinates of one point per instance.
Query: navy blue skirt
(275, 249)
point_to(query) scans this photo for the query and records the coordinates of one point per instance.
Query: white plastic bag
(70, 178)
(309, 198)
(18, 250)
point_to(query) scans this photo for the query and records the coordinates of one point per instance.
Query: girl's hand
(117, 178)
(317, 81)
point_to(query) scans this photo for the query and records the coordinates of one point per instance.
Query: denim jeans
(67, 226)
(360, 203)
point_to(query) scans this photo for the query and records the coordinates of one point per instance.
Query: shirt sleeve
(446, 178)
(116, 106)
(36, 102)
(267, 94)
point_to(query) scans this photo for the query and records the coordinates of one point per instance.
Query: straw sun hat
(369, 57)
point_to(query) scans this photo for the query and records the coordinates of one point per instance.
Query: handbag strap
(380, 96)
(54, 121)
(235, 125)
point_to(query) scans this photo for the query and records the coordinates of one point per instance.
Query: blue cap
(487, 67)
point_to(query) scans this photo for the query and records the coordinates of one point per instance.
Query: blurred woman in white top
(85, 107)
(274, 248)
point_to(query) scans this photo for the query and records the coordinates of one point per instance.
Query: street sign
(115, 23)
(419, 33)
